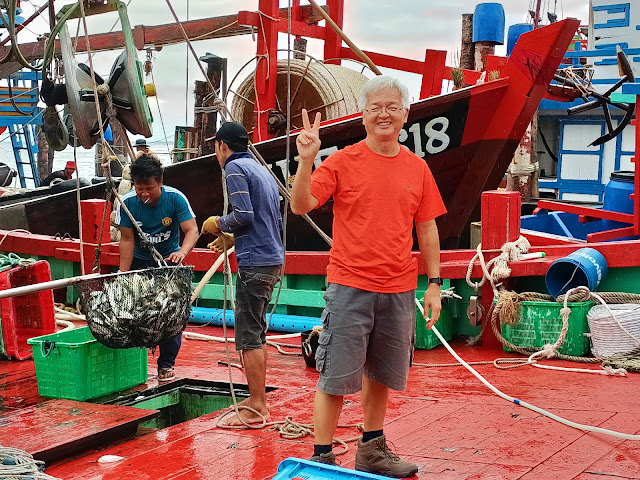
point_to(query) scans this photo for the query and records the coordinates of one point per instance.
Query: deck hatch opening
(181, 401)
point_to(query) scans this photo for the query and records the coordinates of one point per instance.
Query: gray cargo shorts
(254, 287)
(365, 333)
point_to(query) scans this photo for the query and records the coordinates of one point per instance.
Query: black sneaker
(328, 458)
(375, 457)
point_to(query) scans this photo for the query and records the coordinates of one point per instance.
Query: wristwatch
(437, 280)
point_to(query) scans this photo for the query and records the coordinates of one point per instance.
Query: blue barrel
(488, 23)
(514, 34)
(585, 267)
(617, 192)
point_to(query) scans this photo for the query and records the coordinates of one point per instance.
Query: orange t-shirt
(376, 199)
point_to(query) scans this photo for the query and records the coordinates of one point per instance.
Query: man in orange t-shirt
(379, 190)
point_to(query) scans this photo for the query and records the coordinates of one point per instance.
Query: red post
(267, 68)
(92, 215)
(636, 181)
(332, 42)
(500, 224)
(433, 73)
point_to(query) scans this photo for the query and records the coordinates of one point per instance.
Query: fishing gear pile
(141, 308)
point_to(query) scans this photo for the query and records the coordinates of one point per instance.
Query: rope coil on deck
(16, 463)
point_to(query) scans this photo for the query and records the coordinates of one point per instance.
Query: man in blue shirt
(256, 225)
(161, 213)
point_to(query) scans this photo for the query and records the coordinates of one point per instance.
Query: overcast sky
(396, 27)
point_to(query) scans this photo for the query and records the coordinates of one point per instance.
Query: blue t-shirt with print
(160, 222)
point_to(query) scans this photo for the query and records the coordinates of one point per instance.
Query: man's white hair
(382, 82)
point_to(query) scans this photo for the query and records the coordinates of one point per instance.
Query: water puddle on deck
(180, 401)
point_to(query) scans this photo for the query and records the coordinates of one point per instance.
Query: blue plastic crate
(295, 468)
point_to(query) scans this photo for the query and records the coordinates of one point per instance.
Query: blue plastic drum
(617, 193)
(585, 267)
(488, 23)
(514, 34)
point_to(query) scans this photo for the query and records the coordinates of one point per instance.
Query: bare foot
(248, 416)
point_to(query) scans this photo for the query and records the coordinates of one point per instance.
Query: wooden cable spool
(331, 90)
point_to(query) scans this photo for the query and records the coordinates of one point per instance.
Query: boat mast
(537, 17)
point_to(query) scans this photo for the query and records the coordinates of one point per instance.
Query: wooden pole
(467, 48)
(45, 155)
(204, 119)
(363, 56)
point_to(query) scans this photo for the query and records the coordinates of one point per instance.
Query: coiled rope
(12, 260)
(510, 252)
(18, 464)
(336, 89)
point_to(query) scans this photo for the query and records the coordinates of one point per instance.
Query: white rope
(511, 251)
(579, 426)
(449, 293)
(336, 86)
(66, 324)
(25, 466)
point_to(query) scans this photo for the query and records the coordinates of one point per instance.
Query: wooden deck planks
(55, 428)
(446, 421)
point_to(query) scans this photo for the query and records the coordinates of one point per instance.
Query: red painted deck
(446, 421)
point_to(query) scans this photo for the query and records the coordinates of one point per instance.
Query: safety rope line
(160, 114)
(16, 230)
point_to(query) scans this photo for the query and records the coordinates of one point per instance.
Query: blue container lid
(514, 34)
(489, 23)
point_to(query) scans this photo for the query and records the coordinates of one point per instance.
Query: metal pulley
(475, 310)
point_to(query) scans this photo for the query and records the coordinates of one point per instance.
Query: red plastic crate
(29, 315)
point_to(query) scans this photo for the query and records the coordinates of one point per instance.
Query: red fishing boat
(467, 137)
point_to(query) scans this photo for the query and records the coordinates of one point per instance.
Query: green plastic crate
(426, 339)
(75, 366)
(540, 324)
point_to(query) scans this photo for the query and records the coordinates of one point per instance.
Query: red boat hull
(468, 138)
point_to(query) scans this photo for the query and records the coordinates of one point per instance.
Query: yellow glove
(218, 246)
(212, 225)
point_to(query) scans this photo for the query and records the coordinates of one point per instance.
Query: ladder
(23, 140)
(21, 93)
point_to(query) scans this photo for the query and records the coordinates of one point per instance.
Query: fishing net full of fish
(141, 308)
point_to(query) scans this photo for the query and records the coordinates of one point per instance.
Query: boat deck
(446, 421)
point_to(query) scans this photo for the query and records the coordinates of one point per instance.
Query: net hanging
(140, 308)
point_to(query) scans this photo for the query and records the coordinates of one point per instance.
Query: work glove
(212, 225)
(218, 246)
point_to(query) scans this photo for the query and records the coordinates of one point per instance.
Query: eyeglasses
(390, 109)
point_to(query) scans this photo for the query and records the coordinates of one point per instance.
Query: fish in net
(141, 308)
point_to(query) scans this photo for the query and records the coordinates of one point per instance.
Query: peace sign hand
(308, 141)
